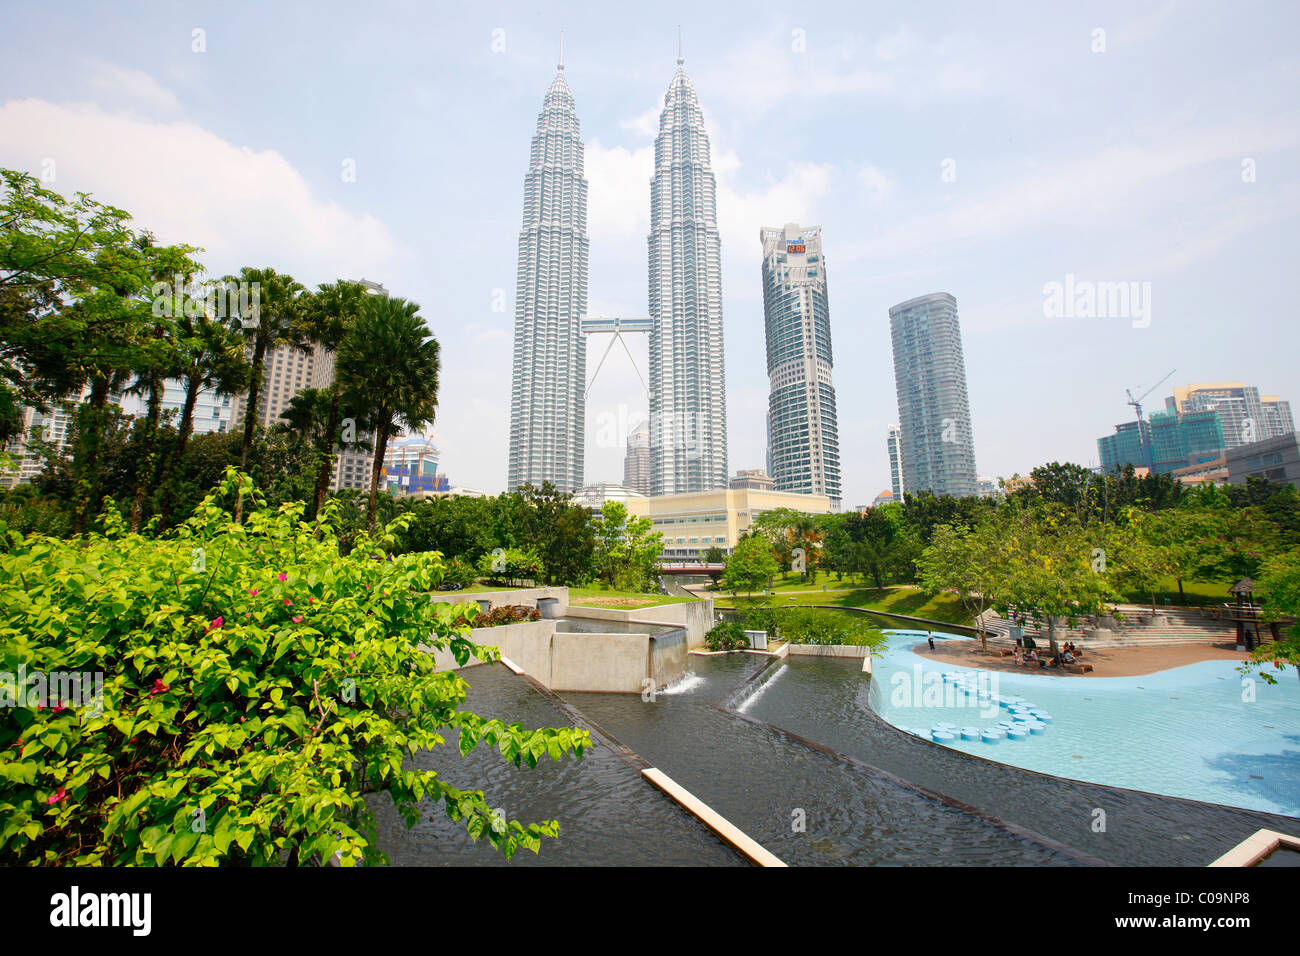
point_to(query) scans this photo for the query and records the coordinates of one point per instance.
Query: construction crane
(1143, 432)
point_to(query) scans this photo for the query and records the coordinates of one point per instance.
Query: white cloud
(618, 191)
(186, 184)
(877, 182)
(135, 86)
(646, 124)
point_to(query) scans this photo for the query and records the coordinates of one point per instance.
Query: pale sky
(1169, 157)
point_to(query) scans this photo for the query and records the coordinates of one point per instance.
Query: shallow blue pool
(1204, 731)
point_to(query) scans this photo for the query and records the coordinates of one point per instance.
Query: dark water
(608, 815)
(805, 805)
(827, 700)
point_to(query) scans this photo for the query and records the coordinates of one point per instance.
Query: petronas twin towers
(687, 384)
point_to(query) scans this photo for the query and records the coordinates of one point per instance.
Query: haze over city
(984, 154)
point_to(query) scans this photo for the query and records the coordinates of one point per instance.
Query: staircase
(1186, 626)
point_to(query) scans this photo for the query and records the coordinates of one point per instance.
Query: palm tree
(389, 366)
(212, 357)
(327, 315)
(267, 325)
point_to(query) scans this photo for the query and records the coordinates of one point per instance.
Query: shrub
(506, 614)
(510, 566)
(726, 636)
(457, 574)
(256, 686)
(806, 625)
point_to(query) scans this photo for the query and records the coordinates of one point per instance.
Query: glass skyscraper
(933, 406)
(547, 401)
(688, 394)
(803, 437)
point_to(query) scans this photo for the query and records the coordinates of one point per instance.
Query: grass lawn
(1197, 592)
(598, 595)
(897, 600)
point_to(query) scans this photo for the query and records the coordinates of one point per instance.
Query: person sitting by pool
(1068, 654)
(1017, 655)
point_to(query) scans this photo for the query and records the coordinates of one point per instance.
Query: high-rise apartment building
(938, 447)
(894, 441)
(688, 394)
(547, 399)
(636, 463)
(803, 434)
(1245, 415)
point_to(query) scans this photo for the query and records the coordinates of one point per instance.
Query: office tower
(894, 440)
(933, 406)
(636, 463)
(1244, 414)
(547, 399)
(688, 396)
(803, 435)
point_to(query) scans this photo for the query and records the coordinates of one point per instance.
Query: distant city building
(987, 487)
(693, 522)
(1213, 472)
(1244, 415)
(547, 399)
(595, 496)
(755, 479)
(886, 497)
(1168, 441)
(53, 428)
(803, 434)
(411, 466)
(938, 447)
(636, 463)
(212, 412)
(894, 441)
(688, 390)
(1275, 459)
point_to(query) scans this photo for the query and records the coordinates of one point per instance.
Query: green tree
(326, 318)
(389, 365)
(268, 320)
(750, 566)
(627, 547)
(966, 561)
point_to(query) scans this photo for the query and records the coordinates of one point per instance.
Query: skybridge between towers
(615, 326)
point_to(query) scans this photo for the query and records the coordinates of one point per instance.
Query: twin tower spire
(687, 383)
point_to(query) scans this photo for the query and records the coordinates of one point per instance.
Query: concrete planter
(757, 640)
(1098, 634)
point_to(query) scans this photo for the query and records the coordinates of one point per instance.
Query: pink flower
(216, 623)
(253, 591)
(288, 603)
(283, 576)
(159, 687)
(311, 600)
(351, 656)
(59, 796)
(57, 708)
(297, 620)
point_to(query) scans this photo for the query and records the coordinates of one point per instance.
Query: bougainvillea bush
(256, 687)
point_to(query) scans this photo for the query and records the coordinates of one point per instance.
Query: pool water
(1203, 731)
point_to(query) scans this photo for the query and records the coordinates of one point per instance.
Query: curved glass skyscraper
(547, 407)
(933, 406)
(688, 393)
(803, 436)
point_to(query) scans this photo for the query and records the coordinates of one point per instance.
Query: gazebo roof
(1244, 586)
